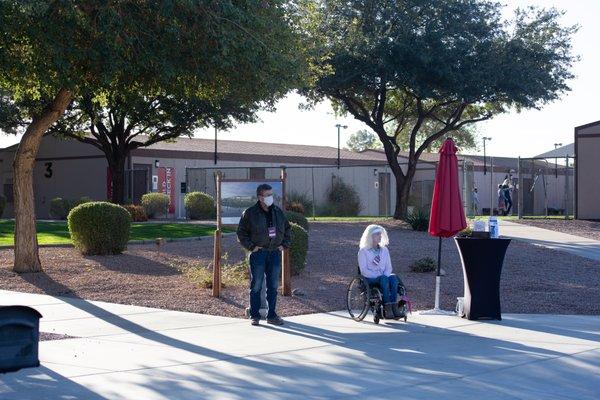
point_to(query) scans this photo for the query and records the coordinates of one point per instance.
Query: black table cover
(482, 261)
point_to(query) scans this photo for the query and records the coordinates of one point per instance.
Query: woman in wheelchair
(376, 266)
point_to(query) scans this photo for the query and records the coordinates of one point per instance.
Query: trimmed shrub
(299, 198)
(295, 207)
(83, 200)
(99, 228)
(342, 200)
(199, 205)
(418, 220)
(426, 264)
(297, 218)
(298, 248)
(2, 205)
(155, 204)
(60, 208)
(138, 214)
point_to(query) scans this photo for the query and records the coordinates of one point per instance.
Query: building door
(140, 176)
(384, 194)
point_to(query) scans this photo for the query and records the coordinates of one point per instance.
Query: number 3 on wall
(48, 173)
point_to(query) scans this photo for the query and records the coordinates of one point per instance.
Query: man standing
(265, 232)
(475, 201)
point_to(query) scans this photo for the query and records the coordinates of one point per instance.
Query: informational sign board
(233, 197)
(237, 195)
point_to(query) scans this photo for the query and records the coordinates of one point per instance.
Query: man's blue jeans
(389, 287)
(264, 262)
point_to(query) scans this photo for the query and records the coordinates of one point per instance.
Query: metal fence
(546, 186)
(538, 186)
(374, 184)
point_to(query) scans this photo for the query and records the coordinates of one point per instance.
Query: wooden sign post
(286, 270)
(216, 286)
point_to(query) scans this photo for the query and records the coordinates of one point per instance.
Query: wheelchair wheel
(357, 298)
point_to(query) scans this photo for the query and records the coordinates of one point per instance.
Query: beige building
(587, 167)
(70, 169)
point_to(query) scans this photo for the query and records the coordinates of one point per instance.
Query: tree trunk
(403, 185)
(26, 245)
(401, 181)
(117, 166)
(401, 198)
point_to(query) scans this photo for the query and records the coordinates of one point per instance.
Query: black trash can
(482, 261)
(19, 338)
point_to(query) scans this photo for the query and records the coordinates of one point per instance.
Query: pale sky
(526, 134)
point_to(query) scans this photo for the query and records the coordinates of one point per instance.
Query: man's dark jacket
(253, 231)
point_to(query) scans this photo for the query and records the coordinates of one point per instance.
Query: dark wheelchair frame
(371, 299)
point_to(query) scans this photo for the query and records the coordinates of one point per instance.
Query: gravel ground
(534, 279)
(577, 227)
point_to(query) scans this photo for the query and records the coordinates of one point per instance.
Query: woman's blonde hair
(367, 243)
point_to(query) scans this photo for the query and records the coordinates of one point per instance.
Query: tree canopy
(157, 66)
(363, 140)
(417, 71)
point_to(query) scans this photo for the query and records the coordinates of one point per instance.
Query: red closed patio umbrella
(447, 216)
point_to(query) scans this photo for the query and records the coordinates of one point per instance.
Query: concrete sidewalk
(128, 352)
(577, 245)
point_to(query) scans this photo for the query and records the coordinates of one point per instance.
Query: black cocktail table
(482, 261)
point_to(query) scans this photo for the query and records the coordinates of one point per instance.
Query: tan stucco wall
(72, 176)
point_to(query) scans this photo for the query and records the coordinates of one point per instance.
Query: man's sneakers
(276, 320)
(273, 321)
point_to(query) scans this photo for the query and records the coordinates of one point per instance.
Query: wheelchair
(363, 297)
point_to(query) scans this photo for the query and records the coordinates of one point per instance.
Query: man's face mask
(268, 200)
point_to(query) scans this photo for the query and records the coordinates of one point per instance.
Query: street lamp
(556, 146)
(484, 161)
(216, 156)
(339, 126)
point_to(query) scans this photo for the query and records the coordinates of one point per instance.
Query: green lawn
(58, 233)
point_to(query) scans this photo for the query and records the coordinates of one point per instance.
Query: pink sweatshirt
(374, 263)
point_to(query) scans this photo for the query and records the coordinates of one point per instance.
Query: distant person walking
(501, 200)
(264, 231)
(507, 186)
(475, 201)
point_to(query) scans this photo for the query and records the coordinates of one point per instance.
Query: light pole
(556, 146)
(485, 138)
(339, 126)
(215, 155)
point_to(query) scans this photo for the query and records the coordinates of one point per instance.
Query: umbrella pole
(438, 275)
(438, 279)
